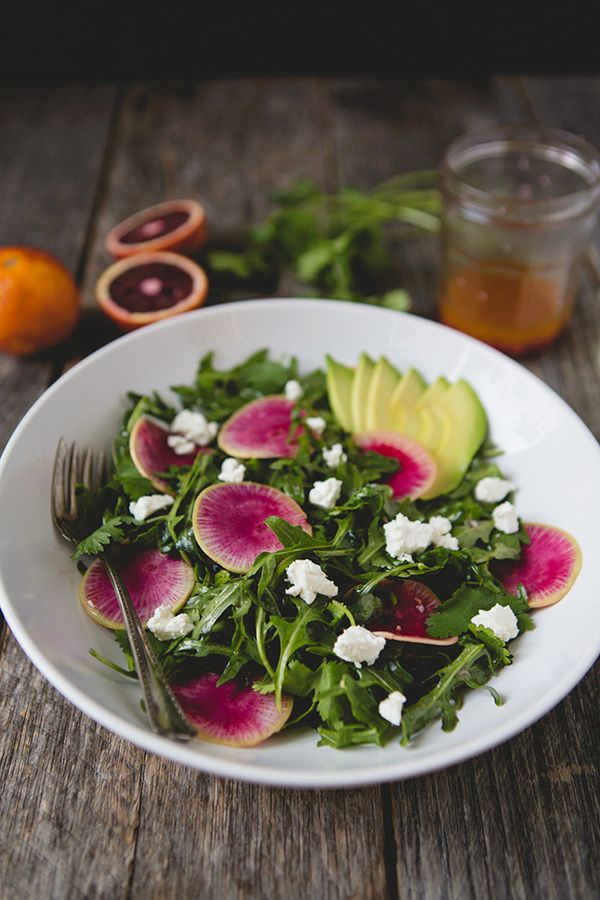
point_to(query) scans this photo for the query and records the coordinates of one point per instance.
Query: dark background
(92, 41)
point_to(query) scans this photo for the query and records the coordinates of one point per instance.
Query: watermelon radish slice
(151, 453)
(418, 468)
(260, 430)
(152, 579)
(229, 522)
(406, 619)
(547, 568)
(230, 714)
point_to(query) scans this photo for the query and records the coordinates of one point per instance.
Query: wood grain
(260, 842)
(51, 149)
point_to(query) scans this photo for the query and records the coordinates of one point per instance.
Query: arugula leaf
(454, 615)
(472, 667)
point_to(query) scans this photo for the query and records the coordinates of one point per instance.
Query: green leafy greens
(246, 627)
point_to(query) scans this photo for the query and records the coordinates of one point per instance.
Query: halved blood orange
(150, 286)
(178, 225)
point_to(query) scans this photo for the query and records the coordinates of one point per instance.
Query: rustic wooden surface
(85, 814)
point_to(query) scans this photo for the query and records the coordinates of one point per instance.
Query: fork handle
(165, 714)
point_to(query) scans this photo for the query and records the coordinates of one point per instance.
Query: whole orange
(39, 301)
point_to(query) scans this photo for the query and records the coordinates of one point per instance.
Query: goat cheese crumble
(232, 470)
(390, 709)
(499, 619)
(492, 489)
(357, 645)
(505, 518)
(325, 493)
(317, 424)
(166, 626)
(190, 429)
(334, 455)
(307, 579)
(403, 537)
(146, 506)
(293, 390)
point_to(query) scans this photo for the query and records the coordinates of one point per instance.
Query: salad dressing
(513, 306)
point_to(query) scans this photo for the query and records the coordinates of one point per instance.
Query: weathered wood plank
(242, 841)
(52, 145)
(230, 144)
(70, 790)
(572, 368)
(521, 821)
(70, 794)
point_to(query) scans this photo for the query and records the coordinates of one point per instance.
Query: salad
(338, 549)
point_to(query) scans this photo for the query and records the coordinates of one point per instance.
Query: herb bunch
(336, 244)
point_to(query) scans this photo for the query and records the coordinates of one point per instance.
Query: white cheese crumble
(492, 490)
(180, 445)
(440, 533)
(404, 537)
(317, 424)
(307, 579)
(357, 644)
(390, 709)
(293, 390)
(232, 471)
(334, 455)
(151, 503)
(193, 427)
(166, 626)
(325, 493)
(499, 619)
(505, 518)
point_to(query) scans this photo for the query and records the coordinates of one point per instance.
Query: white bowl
(549, 453)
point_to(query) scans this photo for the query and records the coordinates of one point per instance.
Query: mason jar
(518, 210)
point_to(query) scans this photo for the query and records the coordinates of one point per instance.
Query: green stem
(260, 642)
(430, 705)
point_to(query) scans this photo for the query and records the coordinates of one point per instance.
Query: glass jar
(518, 209)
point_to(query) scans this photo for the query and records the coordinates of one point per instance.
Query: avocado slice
(383, 383)
(339, 389)
(431, 423)
(360, 392)
(464, 426)
(402, 415)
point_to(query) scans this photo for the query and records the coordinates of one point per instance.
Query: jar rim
(553, 144)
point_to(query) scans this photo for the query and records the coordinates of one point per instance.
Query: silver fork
(72, 467)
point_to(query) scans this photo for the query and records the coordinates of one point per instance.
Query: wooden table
(82, 812)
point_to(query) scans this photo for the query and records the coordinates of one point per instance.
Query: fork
(73, 467)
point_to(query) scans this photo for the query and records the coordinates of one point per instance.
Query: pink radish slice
(417, 467)
(230, 714)
(260, 430)
(547, 568)
(229, 522)
(151, 577)
(151, 453)
(406, 619)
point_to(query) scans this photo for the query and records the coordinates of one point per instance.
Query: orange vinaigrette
(514, 307)
(519, 207)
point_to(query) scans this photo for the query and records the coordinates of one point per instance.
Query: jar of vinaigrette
(518, 210)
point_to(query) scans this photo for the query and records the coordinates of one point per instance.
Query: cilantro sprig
(336, 244)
